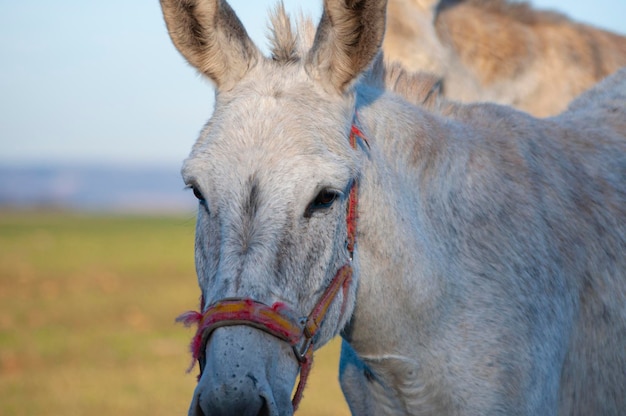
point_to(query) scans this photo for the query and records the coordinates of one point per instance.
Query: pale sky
(100, 82)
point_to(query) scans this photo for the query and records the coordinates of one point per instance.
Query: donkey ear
(211, 37)
(348, 38)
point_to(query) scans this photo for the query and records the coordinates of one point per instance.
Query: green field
(87, 307)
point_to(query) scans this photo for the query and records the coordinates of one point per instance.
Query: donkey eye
(323, 200)
(197, 194)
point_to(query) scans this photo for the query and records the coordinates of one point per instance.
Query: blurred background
(97, 112)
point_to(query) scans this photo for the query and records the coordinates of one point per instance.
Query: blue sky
(100, 82)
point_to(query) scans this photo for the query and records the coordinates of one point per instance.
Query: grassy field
(87, 307)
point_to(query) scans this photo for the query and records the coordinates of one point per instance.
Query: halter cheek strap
(278, 320)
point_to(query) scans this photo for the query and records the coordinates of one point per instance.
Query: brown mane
(418, 88)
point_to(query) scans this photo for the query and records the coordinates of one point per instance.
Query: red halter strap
(278, 320)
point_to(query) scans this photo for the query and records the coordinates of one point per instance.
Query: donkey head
(272, 170)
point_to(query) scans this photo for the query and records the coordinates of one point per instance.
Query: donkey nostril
(265, 411)
(198, 409)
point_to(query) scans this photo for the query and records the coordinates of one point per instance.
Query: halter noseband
(278, 320)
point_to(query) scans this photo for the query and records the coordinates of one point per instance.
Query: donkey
(472, 257)
(501, 51)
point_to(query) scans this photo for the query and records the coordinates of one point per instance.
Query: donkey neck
(398, 281)
(402, 278)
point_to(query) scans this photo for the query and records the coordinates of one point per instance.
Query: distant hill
(95, 188)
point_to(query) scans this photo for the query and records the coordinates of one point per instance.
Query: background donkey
(489, 271)
(501, 51)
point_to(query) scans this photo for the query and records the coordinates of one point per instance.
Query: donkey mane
(418, 88)
(289, 46)
(286, 45)
(519, 11)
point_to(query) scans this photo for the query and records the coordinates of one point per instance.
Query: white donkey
(489, 270)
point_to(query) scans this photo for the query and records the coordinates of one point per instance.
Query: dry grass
(86, 322)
